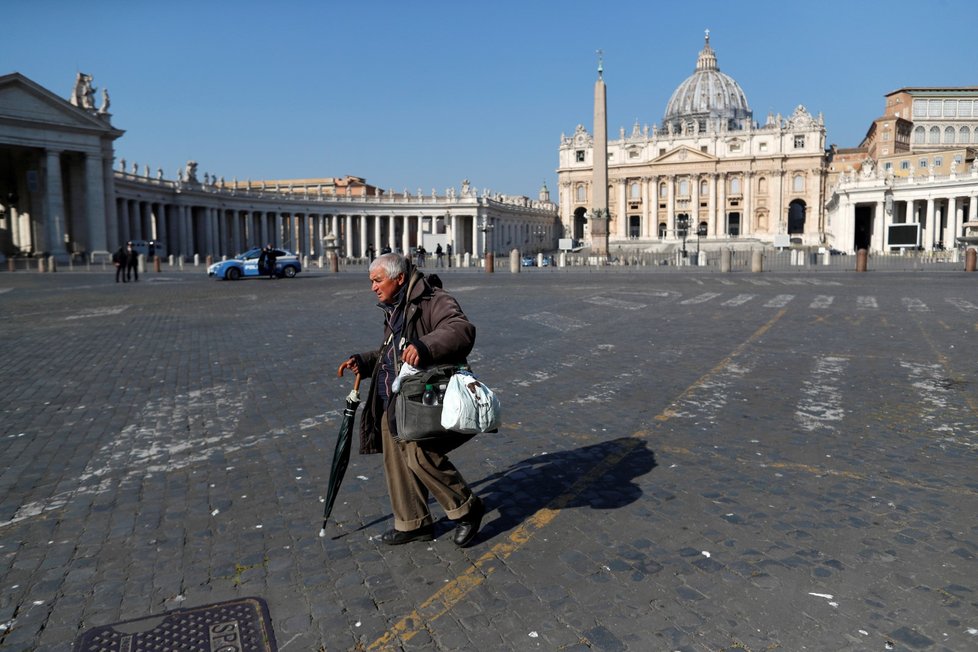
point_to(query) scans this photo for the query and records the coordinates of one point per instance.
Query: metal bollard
(490, 263)
(862, 259)
(970, 257)
(209, 260)
(156, 264)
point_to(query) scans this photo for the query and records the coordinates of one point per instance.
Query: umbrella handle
(356, 381)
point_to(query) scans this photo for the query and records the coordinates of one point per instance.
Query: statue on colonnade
(83, 94)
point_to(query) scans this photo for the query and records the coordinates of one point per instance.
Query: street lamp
(486, 230)
(682, 230)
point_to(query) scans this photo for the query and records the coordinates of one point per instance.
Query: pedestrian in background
(132, 263)
(119, 260)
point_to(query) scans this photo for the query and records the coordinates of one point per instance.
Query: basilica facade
(707, 170)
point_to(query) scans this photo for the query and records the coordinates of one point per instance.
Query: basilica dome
(707, 99)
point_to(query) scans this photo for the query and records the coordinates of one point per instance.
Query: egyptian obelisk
(599, 181)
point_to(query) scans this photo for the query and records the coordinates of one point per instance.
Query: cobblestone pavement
(688, 462)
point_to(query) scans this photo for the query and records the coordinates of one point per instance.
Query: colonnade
(940, 205)
(221, 223)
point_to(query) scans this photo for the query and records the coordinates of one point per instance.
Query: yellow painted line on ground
(670, 411)
(454, 591)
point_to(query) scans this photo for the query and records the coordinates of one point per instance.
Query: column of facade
(623, 218)
(378, 241)
(475, 237)
(694, 203)
(670, 206)
(278, 224)
(747, 188)
(720, 210)
(643, 224)
(111, 219)
(95, 206)
(879, 229)
(187, 245)
(454, 236)
(953, 219)
(931, 229)
(973, 208)
(420, 233)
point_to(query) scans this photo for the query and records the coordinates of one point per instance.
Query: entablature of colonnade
(144, 187)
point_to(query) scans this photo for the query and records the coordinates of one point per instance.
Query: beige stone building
(708, 164)
(913, 181)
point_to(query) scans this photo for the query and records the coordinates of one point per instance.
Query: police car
(245, 265)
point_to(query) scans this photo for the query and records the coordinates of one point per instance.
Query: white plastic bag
(469, 406)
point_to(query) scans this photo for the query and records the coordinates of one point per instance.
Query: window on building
(923, 163)
(964, 108)
(904, 165)
(662, 151)
(919, 109)
(633, 153)
(663, 190)
(957, 159)
(934, 108)
(684, 188)
(964, 136)
(635, 190)
(886, 135)
(934, 137)
(938, 162)
(704, 188)
(950, 108)
(949, 135)
(579, 156)
(799, 142)
(888, 165)
(581, 193)
(735, 186)
(798, 183)
(734, 147)
(762, 186)
(762, 147)
(919, 135)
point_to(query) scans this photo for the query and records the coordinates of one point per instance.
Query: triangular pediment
(22, 100)
(685, 155)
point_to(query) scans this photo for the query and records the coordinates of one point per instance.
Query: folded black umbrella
(341, 454)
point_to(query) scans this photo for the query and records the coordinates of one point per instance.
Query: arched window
(949, 135)
(663, 190)
(581, 193)
(704, 188)
(735, 186)
(684, 188)
(762, 186)
(919, 135)
(798, 183)
(964, 136)
(934, 137)
(635, 190)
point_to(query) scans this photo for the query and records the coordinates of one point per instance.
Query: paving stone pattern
(687, 462)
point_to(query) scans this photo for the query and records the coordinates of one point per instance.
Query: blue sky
(425, 94)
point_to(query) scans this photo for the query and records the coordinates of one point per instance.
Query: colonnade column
(54, 215)
(364, 223)
(623, 218)
(694, 203)
(406, 235)
(747, 187)
(95, 206)
(947, 236)
(420, 234)
(348, 236)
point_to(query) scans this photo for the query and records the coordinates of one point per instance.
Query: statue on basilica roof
(83, 94)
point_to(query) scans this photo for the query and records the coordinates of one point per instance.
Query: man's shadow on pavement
(600, 476)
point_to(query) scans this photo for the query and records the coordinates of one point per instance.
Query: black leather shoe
(468, 525)
(397, 538)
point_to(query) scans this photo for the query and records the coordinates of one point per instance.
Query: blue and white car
(244, 265)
